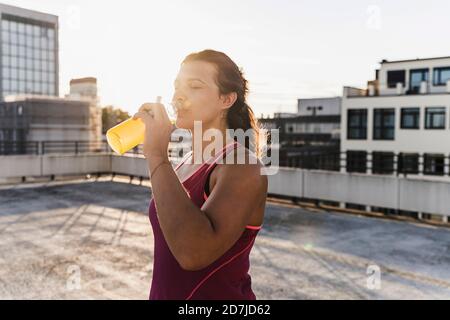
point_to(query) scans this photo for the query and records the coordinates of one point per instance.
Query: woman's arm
(199, 236)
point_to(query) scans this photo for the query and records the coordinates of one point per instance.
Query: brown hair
(230, 78)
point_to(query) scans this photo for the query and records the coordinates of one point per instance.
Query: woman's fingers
(142, 115)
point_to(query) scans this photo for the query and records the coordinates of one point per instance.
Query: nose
(178, 99)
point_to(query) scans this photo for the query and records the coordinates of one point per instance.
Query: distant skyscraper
(29, 52)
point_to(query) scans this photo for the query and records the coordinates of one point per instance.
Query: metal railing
(67, 147)
(386, 163)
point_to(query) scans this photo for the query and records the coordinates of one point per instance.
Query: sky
(288, 49)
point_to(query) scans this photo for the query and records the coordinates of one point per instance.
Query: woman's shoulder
(242, 162)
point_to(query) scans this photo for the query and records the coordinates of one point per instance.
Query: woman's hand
(158, 129)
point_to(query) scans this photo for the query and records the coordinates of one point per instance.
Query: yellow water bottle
(127, 134)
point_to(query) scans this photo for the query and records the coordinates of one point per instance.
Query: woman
(205, 213)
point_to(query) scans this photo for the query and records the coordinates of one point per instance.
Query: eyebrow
(191, 79)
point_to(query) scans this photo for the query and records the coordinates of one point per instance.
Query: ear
(229, 99)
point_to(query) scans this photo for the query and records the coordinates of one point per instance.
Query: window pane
(5, 71)
(22, 39)
(14, 73)
(5, 25)
(29, 40)
(6, 60)
(21, 27)
(13, 26)
(6, 85)
(13, 38)
(5, 36)
(29, 29)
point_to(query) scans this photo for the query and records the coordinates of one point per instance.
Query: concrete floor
(92, 240)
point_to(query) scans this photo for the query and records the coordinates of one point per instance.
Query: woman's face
(195, 87)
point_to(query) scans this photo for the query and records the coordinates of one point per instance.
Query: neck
(202, 140)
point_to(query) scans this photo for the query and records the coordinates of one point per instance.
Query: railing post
(446, 165)
(369, 163)
(421, 164)
(343, 162)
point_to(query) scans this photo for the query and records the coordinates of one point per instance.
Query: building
(29, 52)
(85, 89)
(310, 137)
(399, 124)
(26, 120)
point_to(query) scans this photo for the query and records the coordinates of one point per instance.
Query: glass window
(356, 161)
(21, 51)
(29, 87)
(51, 66)
(29, 40)
(5, 48)
(14, 73)
(29, 75)
(36, 64)
(29, 52)
(384, 124)
(5, 36)
(5, 25)
(22, 63)
(36, 54)
(44, 54)
(51, 77)
(393, 77)
(14, 62)
(51, 33)
(357, 124)
(44, 43)
(51, 44)
(435, 118)
(29, 29)
(382, 162)
(45, 65)
(433, 164)
(13, 26)
(5, 72)
(21, 27)
(410, 118)
(14, 85)
(29, 63)
(37, 42)
(21, 74)
(36, 31)
(6, 60)
(45, 76)
(22, 39)
(13, 38)
(37, 76)
(37, 87)
(22, 86)
(45, 88)
(415, 79)
(408, 163)
(51, 55)
(13, 50)
(441, 76)
(6, 84)
(51, 89)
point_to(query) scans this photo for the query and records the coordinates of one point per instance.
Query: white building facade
(400, 124)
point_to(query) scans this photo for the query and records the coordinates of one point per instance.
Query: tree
(112, 116)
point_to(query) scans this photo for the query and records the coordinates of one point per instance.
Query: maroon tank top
(227, 278)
